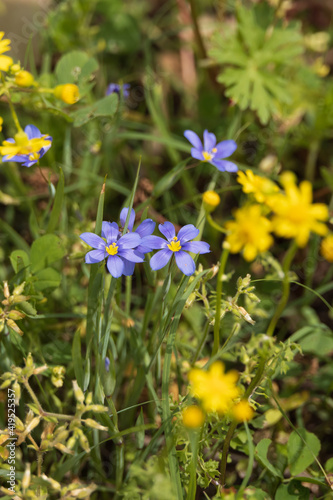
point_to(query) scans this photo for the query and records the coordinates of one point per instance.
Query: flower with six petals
(176, 245)
(26, 147)
(211, 152)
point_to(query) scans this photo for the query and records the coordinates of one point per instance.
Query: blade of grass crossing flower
(58, 204)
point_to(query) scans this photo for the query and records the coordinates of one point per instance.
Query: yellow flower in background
(193, 417)
(295, 215)
(68, 93)
(24, 78)
(216, 389)
(260, 187)
(22, 145)
(326, 248)
(5, 61)
(242, 411)
(211, 200)
(249, 232)
(1, 123)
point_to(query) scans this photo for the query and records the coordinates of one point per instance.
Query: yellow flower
(23, 145)
(210, 200)
(242, 411)
(260, 187)
(326, 248)
(249, 232)
(5, 61)
(193, 417)
(68, 93)
(295, 215)
(24, 79)
(1, 122)
(216, 389)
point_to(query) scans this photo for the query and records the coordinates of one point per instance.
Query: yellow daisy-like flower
(5, 61)
(260, 187)
(250, 232)
(193, 417)
(242, 411)
(216, 389)
(22, 145)
(295, 215)
(326, 248)
(68, 93)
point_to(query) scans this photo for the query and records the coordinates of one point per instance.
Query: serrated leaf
(302, 447)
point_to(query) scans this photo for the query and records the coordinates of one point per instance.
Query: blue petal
(194, 139)
(209, 141)
(224, 165)
(146, 228)
(160, 259)
(95, 256)
(187, 233)
(17, 158)
(110, 231)
(130, 255)
(32, 132)
(128, 267)
(115, 266)
(129, 240)
(195, 153)
(123, 216)
(154, 242)
(225, 149)
(196, 247)
(185, 263)
(168, 230)
(93, 240)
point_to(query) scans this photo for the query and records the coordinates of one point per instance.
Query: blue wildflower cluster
(123, 251)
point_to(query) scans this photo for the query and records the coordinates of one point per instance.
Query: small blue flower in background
(107, 364)
(211, 152)
(34, 137)
(176, 245)
(116, 88)
(119, 250)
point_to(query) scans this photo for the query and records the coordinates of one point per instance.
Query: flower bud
(193, 417)
(68, 93)
(24, 79)
(242, 411)
(210, 200)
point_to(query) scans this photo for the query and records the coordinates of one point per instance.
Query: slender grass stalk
(285, 288)
(219, 286)
(192, 488)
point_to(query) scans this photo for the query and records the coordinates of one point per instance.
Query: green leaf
(104, 107)
(45, 251)
(57, 205)
(47, 278)
(261, 455)
(292, 491)
(77, 358)
(19, 260)
(74, 66)
(303, 447)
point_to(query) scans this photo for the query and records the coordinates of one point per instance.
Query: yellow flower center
(174, 246)
(34, 156)
(21, 138)
(207, 156)
(112, 249)
(214, 150)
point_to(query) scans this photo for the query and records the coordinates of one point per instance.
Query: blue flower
(107, 364)
(146, 228)
(211, 152)
(116, 88)
(119, 250)
(176, 245)
(28, 147)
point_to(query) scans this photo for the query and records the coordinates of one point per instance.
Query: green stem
(219, 286)
(311, 161)
(285, 288)
(253, 385)
(201, 45)
(215, 225)
(192, 488)
(14, 115)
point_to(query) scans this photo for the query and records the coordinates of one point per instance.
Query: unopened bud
(210, 200)
(24, 79)
(68, 93)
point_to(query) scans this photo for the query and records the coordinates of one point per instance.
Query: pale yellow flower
(260, 187)
(295, 214)
(249, 232)
(216, 389)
